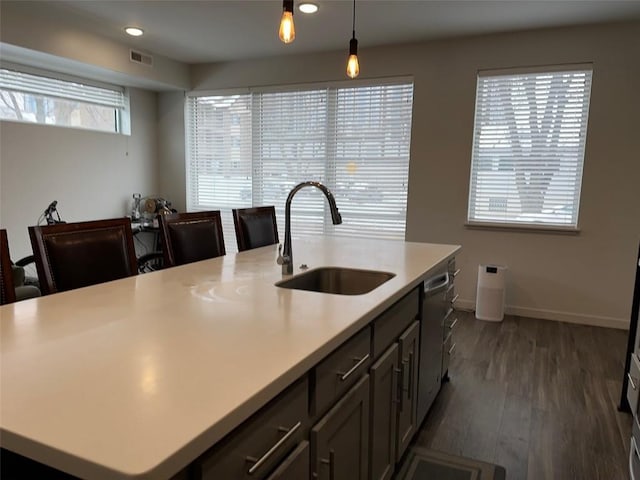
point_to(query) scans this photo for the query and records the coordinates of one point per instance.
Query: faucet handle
(280, 259)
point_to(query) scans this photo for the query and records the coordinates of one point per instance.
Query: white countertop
(137, 377)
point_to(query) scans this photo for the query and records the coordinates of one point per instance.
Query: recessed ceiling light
(134, 31)
(308, 7)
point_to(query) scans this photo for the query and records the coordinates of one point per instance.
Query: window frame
(121, 106)
(510, 224)
(327, 158)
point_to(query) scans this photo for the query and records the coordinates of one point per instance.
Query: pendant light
(353, 67)
(287, 32)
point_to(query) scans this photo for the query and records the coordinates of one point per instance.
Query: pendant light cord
(354, 19)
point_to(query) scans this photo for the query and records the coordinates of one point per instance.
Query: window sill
(511, 227)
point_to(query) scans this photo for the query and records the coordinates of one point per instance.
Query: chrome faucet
(285, 258)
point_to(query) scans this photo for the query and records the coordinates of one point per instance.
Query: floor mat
(425, 464)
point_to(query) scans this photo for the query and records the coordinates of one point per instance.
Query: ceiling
(221, 30)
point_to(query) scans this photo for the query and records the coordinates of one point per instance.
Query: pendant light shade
(287, 32)
(353, 66)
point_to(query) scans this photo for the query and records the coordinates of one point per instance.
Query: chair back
(191, 237)
(7, 288)
(255, 227)
(74, 255)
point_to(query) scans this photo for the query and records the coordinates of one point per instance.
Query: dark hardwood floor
(535, 396)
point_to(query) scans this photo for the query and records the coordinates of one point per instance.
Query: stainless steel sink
(340, 281)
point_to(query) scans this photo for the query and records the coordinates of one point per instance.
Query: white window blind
(528, 148)
(52, 87)
(355, 140)
(45, 98)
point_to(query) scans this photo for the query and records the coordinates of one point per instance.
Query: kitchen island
(138, 377)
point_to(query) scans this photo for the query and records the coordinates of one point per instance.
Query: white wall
(33, 35)
(91, 174)
(584, 278)
(172, 154)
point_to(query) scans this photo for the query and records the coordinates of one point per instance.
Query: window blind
(355, 140)
(16, 81)
(219, 152)
(528, 147)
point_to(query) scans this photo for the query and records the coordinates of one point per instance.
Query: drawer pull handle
(401, 373)
(395, 380)
(633, 384)
(453, 300)
(453, 324)
(448, 314)
(452, 348)
(260, 461)
(331, 462)
(411, 374)
(361, 361)
(455, 274)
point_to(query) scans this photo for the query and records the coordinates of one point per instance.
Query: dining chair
(255, 227)
(191, 237)
(7, 289)
(74, 255)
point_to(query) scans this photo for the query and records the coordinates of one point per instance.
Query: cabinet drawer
(257, 446)
(448, 346)
(450, 321)
(388, 326)
(340, 370)
(451, 296)
(633, 385)
(451, 268)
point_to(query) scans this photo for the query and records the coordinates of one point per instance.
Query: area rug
(424, 464)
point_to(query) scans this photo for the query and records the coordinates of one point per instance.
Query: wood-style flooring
(538, 397)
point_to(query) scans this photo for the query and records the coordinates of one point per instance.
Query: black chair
(7, 289)
(74, 255)
(191, 237)
(13, 281)
(255, 227)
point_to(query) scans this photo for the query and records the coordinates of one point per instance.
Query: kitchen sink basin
(340, 281)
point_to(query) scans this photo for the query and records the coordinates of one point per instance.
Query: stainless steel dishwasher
(435, 308)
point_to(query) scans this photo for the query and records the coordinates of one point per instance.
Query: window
(59, 100)
(528, 148)
(251, 149)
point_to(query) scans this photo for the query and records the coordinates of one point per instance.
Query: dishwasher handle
(436, 284)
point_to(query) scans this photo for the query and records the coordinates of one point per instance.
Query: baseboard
(570, 317)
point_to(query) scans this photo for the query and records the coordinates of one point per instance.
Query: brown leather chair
(191, 237)
(74, 255)
(7, 289)
(255, 227)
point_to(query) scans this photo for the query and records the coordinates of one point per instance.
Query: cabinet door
(408, 344)
(340, 440)
(384, 401)
(295, 466)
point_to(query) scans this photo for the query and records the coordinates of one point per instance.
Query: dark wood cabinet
(384, 403)
(364, 413)
(340, 440)
(408, 385)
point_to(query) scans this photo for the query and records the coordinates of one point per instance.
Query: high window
(252, 148)
(53, 99)
(528, 147)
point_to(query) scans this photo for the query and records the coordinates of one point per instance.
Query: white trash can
(490, 295)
